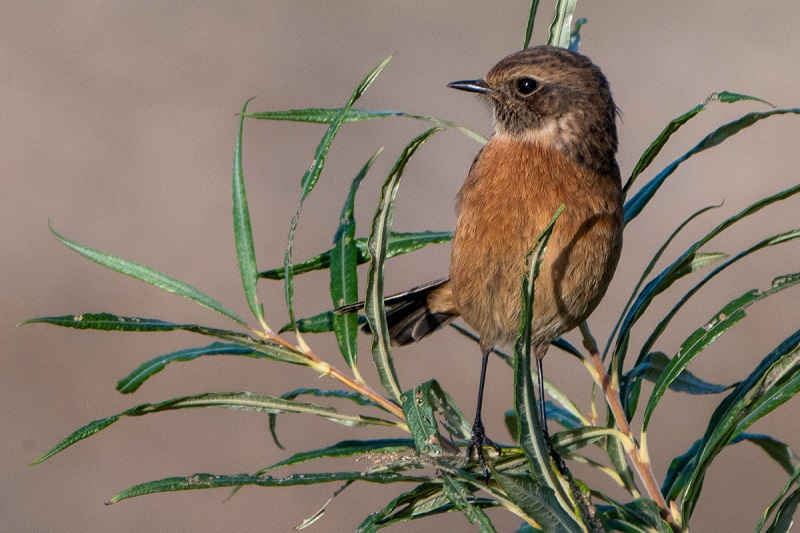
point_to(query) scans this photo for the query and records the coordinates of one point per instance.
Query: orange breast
(511, 193)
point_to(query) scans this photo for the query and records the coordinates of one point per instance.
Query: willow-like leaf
(242, 231)
(421, 421)
(529, 27)
(318, 393)
(399, 244)
(244, 401)
(539, 502)
(150, 276)
(135, 379)
(775, 380)
(345, 448)
(309, 180)
(647, 272)
(683, 265)
(344, 277)
(562, 23)
(326, 116)
(776, 503)
(635, 205)
(378, 245)
(461, 497)
(212, 481)
(109, 322)
(655, 147)
(525, 404)
(701, 338)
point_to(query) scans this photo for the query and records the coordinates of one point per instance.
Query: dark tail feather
(408, 314)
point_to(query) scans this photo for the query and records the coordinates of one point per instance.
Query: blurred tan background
(118, 126)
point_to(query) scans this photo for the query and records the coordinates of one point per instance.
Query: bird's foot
(476, 444)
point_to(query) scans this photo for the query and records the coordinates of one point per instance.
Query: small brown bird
(554, 143)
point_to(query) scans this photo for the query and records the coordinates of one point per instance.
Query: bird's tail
(416, 313)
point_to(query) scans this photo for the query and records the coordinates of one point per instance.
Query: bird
(554, 142)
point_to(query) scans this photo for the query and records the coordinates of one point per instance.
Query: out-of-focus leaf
(575, 35)
(654, 365)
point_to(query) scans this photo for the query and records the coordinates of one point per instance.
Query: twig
(639, 460)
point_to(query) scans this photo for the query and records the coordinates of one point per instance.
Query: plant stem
(639, 460)
(326, 369)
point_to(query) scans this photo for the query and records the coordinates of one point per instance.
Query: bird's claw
(476, 443)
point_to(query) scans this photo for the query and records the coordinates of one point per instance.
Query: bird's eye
(526, 86)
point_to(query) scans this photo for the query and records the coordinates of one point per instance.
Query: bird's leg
(559, 462)
(479, 438)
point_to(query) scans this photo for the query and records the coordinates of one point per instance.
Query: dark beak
(473, 86)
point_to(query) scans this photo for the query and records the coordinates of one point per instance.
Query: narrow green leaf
(458, 493)
(421, 422)
(244, 401)
(310, 178)
(525, 404)
(109, 322)
(149, 275)
(327, 116)
(784, 518)
(776, 503)
(242, 232)
(774, 381)
(424, 500)
(654, 365)
(345, 395)
(655, 147)
(529, 28)
(135, 379)
(211, 481)
(770, 241)
(344, 277)
(453, 418)
(635, 205)
(701, 338)
(321, 323)
(779, 451)
(399, 243)
(683, 264)
(378, 244)
(539, 502)
(562, 22)
(646, 273)
(346, 448)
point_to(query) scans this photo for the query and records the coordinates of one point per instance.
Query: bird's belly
(497, 225)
